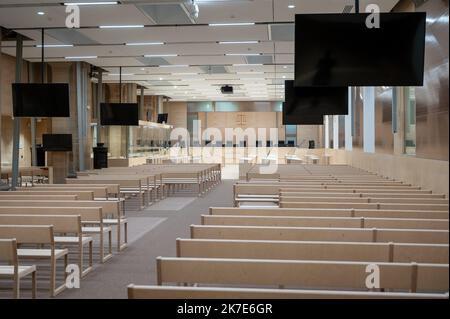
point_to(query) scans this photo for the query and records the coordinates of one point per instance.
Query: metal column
(16, 124)
(99, 101)
(32, 122)
(81, 118)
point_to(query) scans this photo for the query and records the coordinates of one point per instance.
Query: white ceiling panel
(195, 45)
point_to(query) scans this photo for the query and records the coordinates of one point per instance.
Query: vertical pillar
(336, 132)
(348, 122)
(80, 113)
(16, 124)
(32, 123)
(327, 131)
(369, 120)
(99, 101)
(142, 104)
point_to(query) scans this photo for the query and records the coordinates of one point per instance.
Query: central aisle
(152, 233)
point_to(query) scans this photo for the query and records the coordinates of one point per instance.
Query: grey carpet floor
(137, 263)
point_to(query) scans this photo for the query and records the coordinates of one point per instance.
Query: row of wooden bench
(49, 221)
(319, 248)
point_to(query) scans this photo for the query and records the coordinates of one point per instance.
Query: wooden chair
(62, 225)
(12, 269)
(38, 235)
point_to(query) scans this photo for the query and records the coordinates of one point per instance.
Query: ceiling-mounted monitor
(121, 114)
(41, 100)
(57, 142)
(308, 105)
(340, 50)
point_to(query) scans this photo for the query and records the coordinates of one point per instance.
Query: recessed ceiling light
(131, 26)
(291, 6)
(161, 79)
(159, 55)
(284, 76)
(248, 64)
(175, 87)
(142, 69)
(231, 24)
(174, 66)
(285, 67)
(55, 45)
(40, 13)
(238, 42)
(144, 43)
(242, 54)
(81, 57)
(90, 3)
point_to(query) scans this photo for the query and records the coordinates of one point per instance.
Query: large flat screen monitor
(57, 142)
(40, 100)
(123, 114)
(308, 105)
(340, 50)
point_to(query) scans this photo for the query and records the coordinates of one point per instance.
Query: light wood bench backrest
(108, 207)
(374, 213)
(8, 251)
(166, 292)
(318, 204)
(320, 234)
(82, 195)
(308, 221)
(304, 250)
(315, 274)
(61, 223)
(27, 197)
(26, 234)
(87, 214)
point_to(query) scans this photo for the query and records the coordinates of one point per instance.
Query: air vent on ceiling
(69, 36)
(213, 69)
(152, 61)
(166, 13)
(282, 32)
(260, 59)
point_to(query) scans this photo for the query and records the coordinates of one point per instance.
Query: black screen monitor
(308, 105)
(162, 118)
(123, 114)
(40, 100)
(57, 142)
(340, 50)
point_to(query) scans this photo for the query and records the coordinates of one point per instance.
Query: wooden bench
(38, 235)
(306, 274)
(111, 213)
(321, 234)
(47, 193)
(342, 222)
(62, 225)
(330, 212)
(353, 199)
(102, 191)
(28, 197)
(376, 205)
(91, 218)
(12, 269)
(134, 185)
(304, 250)
(184, 293)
